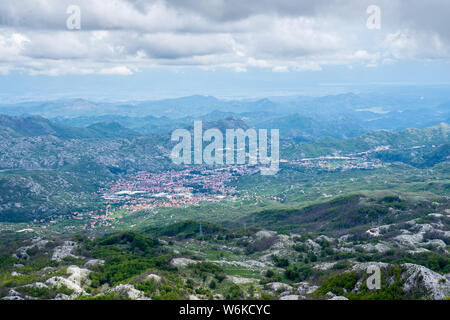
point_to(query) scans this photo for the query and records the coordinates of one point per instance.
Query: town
(190, 186)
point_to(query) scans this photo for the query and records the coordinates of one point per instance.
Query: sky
(139, 49)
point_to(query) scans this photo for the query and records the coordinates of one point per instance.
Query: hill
(404, 141)
(36, 126)
(307, 129)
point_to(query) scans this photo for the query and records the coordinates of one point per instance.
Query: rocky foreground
(412, 258)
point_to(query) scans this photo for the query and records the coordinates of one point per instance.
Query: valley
(99, 211)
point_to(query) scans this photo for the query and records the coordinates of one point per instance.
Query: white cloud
(124, 36)
(119, 70)
(11, 45)
(280, 69)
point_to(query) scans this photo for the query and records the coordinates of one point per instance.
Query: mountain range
(374, 111)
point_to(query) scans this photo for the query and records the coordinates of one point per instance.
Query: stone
(277, 286)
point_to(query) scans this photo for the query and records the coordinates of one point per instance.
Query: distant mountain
(112, 130)
(306, 128)
(85, 121)
(38, 126)
(417, 142)
(161, 125)
(61, 108)
(35, 126)
(223, 124)
(213, 116)
(399, 120)
(379, 110)
(197, 106)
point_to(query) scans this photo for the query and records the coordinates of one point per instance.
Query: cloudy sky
(177, 47)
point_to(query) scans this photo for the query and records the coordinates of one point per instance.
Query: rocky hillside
(179, 262)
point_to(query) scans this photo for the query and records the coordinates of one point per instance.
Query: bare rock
(290, 297)
(338, 298)
(61, 252)
(181, 262)
(278, 286)
(416, 276)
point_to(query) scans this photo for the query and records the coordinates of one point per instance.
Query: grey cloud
(223, 10)
(125, 35)
(175, 46)
(426, 16)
